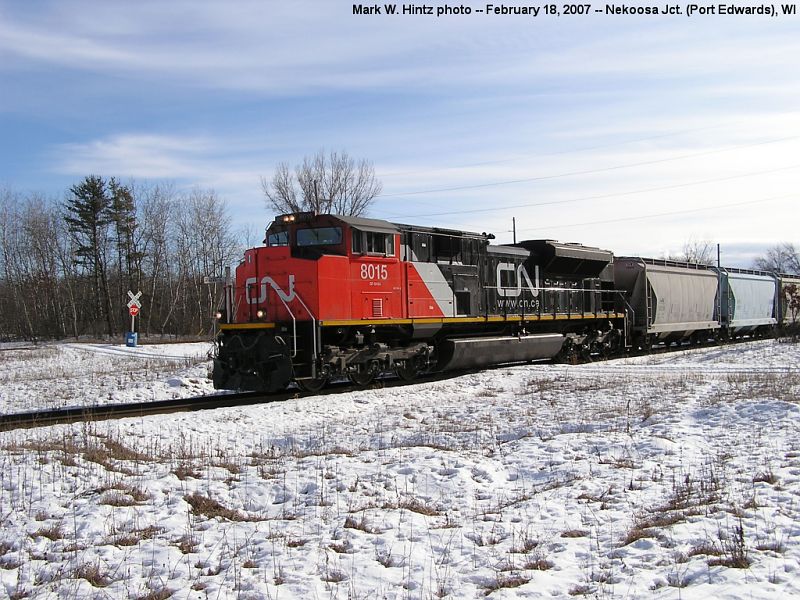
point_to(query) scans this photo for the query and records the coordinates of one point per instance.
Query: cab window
(319, 236)
(373, 242)
(279, 238)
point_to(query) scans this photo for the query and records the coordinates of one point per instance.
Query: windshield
(279, 238)
(319, 236)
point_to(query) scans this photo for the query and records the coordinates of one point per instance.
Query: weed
(159, 594)
(184, 471)
(208, 507)
(52, 533)
(506, 580)
(92, 573)
(734, 550)
(574, 533)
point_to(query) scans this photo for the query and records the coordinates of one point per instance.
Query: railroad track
(48, 417)
(60, 416)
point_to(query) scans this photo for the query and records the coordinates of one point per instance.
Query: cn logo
(262, 296)
(521, 275)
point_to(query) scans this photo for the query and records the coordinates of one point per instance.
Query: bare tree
(782, 258)
(696, 251)
(324, 183)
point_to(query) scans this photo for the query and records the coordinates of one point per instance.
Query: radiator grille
(377, 307)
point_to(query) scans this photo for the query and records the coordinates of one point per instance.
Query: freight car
(332, 296)
(747, 301)
(788, 306)
(668, 301)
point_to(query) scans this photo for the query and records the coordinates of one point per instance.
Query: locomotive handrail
(313, 333)
(294, 324)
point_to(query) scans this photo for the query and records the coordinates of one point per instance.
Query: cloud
(303, 47)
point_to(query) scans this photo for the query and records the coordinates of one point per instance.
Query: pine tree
(122, 213)
(88, 217)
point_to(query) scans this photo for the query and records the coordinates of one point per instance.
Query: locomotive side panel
(428, 292)
(333, 289)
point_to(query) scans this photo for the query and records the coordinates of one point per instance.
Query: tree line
(66, 267)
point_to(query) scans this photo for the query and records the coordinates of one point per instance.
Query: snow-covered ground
(70, 375)
(671, 476)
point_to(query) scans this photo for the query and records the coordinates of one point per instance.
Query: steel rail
(60, 416)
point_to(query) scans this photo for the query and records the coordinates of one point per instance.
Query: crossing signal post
(134, 306)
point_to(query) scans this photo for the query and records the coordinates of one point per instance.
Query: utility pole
(514, 228)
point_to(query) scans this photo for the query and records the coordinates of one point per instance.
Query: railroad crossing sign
(134, 300)
(134, 306)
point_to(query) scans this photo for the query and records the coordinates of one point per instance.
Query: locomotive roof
(442, 231)
(364, 224)
(508, 250)
(554, 249)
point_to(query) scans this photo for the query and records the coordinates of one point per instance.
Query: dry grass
(360, 524)
(159, 594)
(210, 508)
(574, 533)
(504, 581)
(133, 537)
(92, 573)
(52, 533)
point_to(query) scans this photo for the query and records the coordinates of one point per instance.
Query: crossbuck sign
(134, 299)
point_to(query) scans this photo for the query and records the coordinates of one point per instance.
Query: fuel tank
(474, 353)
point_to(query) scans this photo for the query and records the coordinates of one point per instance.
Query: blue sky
(635, 133)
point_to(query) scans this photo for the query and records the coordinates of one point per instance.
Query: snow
(76, 375)
(655, 476)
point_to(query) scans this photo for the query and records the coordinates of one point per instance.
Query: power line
(586, 172)
(655, 215)
(557, 153)
(602, 196)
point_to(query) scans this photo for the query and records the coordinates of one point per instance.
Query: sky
(636, 133)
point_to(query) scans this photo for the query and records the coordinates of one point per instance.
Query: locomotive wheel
(307, 384)
(365, 375)
(407, 371)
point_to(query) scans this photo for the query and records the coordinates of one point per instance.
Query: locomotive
(332, 296)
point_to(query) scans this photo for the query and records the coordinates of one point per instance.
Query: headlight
(260, 314)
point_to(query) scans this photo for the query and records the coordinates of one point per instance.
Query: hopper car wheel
(312, 385)
(365, 375)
